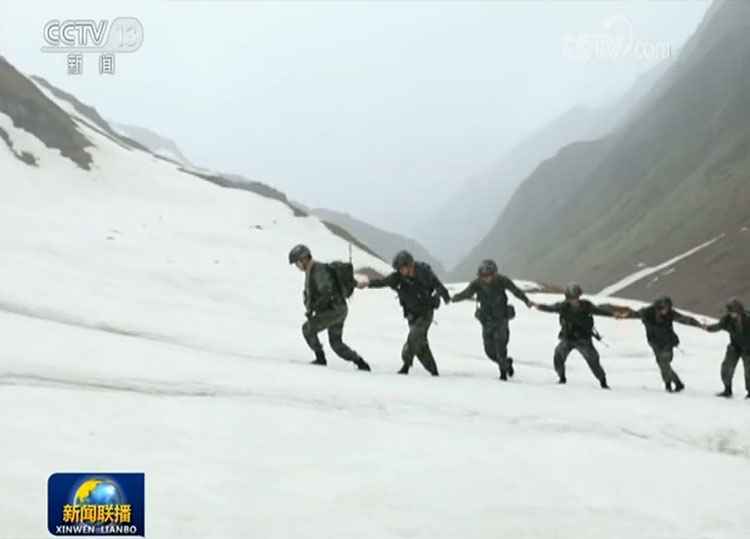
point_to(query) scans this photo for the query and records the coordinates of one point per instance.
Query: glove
(446, 300)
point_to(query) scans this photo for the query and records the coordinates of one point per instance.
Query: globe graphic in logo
(100, 491)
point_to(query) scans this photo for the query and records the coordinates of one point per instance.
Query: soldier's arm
(440, 287)
(385, 282)
(606, 310)
(554, 308)
(617, 311)
(520, 294)
(466, 293)
(632, 313)
(718, 326)
(686, 320)
(626, 313)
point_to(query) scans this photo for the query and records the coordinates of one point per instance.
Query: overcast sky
(377, 109)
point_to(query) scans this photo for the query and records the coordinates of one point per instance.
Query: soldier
(736, 322)
(493, 312)
(419, 292)
(577, 330)
(658, 320)
(325, 308)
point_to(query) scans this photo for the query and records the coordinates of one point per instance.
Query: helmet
(663, 302)
(402, 258)
(734, 305)
(487, 267)
(573, 291)
(298, 252)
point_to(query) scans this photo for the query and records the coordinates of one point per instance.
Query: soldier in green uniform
(658, 320)
(419, 292)
(493, 312)
(577, 331)
(736, 322)
(325, 308)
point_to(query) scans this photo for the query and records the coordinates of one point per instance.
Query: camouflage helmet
(663, 302)
(734, 305)
(298, 252)
(402, 258)
(487, 267)
(573, 291)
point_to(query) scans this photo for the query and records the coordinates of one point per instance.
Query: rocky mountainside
(673, 176)
(452, 229)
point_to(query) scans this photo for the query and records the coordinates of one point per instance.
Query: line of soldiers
(420, 293)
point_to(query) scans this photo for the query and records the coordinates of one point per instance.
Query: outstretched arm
(687, 320)
(440, 287)
(554, 308)
(520, 294)
(626, 313)
(466, 293)
(718, 326)
(385, 282)
(614, 311)
(609, 310)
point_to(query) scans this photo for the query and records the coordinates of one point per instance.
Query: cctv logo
(123, 34)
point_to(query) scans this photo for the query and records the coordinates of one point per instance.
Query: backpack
(343, 274)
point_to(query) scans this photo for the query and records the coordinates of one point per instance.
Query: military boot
(320, 359)
(403, 370)
(726, 393)
(511, 371)
(362, 364)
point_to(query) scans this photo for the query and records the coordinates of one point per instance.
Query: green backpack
(343, 273)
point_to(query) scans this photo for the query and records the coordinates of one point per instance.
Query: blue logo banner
(96, 504)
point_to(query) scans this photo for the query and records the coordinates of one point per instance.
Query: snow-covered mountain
(156, 143)
(150, 323)
(99, 238)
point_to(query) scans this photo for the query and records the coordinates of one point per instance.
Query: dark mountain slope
(30, 110)
(674, 176)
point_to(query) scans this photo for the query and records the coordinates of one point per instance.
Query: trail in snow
(726, 442)
(645, 272)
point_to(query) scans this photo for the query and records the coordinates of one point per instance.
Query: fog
(378, 109)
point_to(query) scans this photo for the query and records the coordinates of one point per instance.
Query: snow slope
(148, 325)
